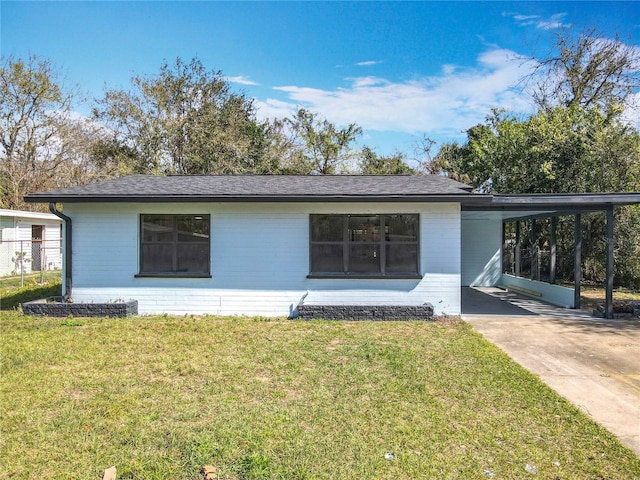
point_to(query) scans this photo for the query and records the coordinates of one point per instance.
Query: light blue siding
(259, 259)
(481, 249)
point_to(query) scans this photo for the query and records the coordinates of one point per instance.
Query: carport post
(504, 244)
(608, 302)
(517, 269)
(535, 272)
(577, 262)
(552, 259)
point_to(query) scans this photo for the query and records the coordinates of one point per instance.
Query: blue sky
(400, 70)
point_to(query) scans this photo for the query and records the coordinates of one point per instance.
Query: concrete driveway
(594, 363)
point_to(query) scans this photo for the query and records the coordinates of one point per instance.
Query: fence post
(21, 263)
(42, 261)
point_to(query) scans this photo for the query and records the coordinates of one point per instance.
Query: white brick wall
(259, 259)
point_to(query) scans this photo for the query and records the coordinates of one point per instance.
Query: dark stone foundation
(57, 307)
(366, 312)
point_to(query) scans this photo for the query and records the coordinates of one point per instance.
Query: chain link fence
(22, 257)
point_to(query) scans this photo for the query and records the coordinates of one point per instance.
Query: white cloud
(368, 63)
(359, 82)
(448, 69)
(554, 22)
(631, 114)
(242, 80)
(444, 104)
(550, 23)
(273, 108)
(524, 18)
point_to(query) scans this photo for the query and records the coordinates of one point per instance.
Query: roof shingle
(192, 188)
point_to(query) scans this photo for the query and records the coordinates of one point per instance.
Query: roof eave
(466, 198)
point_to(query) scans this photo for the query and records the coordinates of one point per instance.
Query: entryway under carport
(501, 301)
(593, 362)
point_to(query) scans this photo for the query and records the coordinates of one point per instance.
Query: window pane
(326, 259)
(402, 258)
(364, 229)
(401, 228)
(174, 244)
(364, 258)
(326, 228)
(193, 228)
(193, 258)
(157, 228)
(157, 257)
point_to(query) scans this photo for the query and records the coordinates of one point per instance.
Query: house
(29, 242)
(263, 245)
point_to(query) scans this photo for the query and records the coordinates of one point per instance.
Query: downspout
(67, 249)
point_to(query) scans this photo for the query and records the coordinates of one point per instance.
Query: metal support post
(504, 239)
(609, 264)
(517, 255)
(535, 273)
(577, 262)
(554, 251)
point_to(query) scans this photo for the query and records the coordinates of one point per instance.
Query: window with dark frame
(176, 245)
(364, 245)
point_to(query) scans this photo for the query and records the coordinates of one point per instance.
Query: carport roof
(544, 204)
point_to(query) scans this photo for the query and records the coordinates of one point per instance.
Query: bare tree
(586, 70)
(39, 136)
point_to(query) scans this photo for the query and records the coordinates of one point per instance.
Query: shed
(29, 242)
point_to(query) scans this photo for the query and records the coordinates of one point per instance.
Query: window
(174, 245)
(364, 245)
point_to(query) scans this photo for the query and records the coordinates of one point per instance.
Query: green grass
(12, 294)
(159, 397)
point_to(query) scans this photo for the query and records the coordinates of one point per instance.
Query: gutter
(68, 284)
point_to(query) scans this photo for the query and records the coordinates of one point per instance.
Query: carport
(485, 244)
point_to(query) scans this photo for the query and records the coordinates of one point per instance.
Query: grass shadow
(13, 298)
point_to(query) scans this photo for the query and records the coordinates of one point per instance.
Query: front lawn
(15, 289)
(159, 397)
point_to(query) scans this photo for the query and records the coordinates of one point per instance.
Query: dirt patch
(448, 320)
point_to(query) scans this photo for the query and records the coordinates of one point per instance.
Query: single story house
(29, 242)
(264, 244)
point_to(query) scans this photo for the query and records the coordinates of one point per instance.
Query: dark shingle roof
(198, 188)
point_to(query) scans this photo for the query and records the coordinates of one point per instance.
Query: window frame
(175, 243)
(382, 243)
